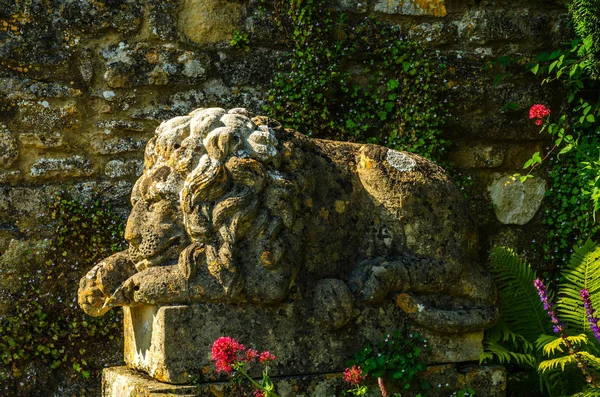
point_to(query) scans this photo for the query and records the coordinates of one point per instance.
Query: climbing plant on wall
(46, 325)
(359, 81)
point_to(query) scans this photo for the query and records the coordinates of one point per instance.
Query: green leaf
(535, 159)
(519, 298)
(582, 272)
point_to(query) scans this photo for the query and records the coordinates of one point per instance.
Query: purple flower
(548, 306)
(589, 311)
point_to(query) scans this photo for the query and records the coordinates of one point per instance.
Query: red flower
(259, 393)
(354, 375)
(251, 355)
(226, 352)
(265, 357)
(538, 112)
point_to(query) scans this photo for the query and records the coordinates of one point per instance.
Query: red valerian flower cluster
(538, 112)
(228, 354)
(354, 375)
(266, 357)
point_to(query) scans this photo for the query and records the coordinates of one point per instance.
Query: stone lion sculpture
(235, 209)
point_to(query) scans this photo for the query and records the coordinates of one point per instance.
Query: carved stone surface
(489, 381)
(246, 220)
(172, 343)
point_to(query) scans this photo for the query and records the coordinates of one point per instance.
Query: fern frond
(587, 392)
(496, 351)
(583, 272)
(551, 346)
(548, 365)
(522, 311)
(590, 359)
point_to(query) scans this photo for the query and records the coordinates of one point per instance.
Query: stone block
(488, 381)
(435, 8)
(516, 202)
(145, 64)
(358, 7)
(173, 343)
(69, 166)
(8, 147)
(478, 156)
(209, 21)
(42, 117)
(41, 140)
(434, 34)
(117, 145)
(123, 168)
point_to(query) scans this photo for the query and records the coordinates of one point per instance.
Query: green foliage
(573, 200)
(513, 278)
(574, 158)
(46, 327)
(240, 40)
(397, 358)
(360, 82)
(466, 392)
(586, 21)
(512, 340)
(551, 344)
(583, 272)
(568, 208)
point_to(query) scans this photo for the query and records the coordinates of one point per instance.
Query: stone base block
(444, 379)
(173, 343)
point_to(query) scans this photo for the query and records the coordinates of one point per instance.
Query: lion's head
(211, 178)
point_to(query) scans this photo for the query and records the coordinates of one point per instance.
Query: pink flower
(259, 393)
(266, 357)
(226, 352)
(538, 111)
(251, 355)
(354, 375)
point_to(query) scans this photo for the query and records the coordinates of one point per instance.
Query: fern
(548, 365)
(494, 350)
(519, 299)
(551, 344)
(554, 363)
(588, 392)
(583, 272)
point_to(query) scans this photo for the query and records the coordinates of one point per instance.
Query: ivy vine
(358, 81)
(46, 327)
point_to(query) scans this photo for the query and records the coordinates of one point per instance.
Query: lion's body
(234, 210)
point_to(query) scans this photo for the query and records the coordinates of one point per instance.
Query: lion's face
(203, 174)
(155, 230)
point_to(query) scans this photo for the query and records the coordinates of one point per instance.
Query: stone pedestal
(173, 343)
(444, 379)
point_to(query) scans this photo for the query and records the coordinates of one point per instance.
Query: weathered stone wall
(84, 84)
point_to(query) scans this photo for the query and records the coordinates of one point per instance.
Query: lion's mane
(235, 201)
